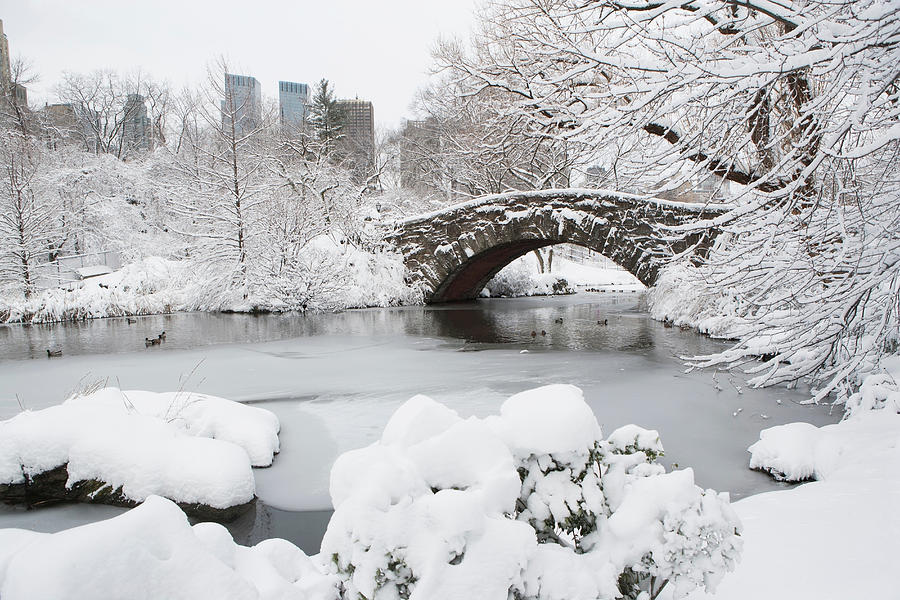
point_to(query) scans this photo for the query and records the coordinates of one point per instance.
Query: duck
(603, 322)
(534, 334)
(151, 342)
(162, 337)
(558, 320)
(543, 332)
(130, 321)
(52, 353)
(667, 323)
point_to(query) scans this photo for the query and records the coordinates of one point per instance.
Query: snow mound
(528, 503)
(152, 552)
(190, 448)
(799, 451)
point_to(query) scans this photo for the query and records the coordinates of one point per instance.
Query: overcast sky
(376, 50)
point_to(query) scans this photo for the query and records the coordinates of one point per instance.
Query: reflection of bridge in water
(454, 252)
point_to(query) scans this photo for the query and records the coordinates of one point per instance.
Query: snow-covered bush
(533, 503)
(520, 279)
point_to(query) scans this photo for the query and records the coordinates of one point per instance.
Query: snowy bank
(120, 447)
(328, 276)
(152, 552)
(834, 538)
(150, 286)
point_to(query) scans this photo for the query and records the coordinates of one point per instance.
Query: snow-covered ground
(838, 536)
(152, 552)
(190, 448)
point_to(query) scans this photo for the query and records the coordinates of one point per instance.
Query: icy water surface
(335, 379)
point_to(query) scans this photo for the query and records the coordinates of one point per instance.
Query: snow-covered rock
(124, 446)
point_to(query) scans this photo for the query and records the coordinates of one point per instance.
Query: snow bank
(191, 448)
(152, 552)
(531, 502)
(328, 276)
(837, 537)
(799, 451)
(149, 286)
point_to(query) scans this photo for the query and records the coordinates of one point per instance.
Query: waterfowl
(603, 322)
(151, 342)
(543, 332)
(130, 321)
(559, 320)
(534, 334)
(162, 336)
(52, 353)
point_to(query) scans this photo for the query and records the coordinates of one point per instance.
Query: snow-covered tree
(796, 106)
(29, 217)
(224, 176)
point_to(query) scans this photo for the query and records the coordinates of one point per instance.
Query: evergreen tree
(327, 116)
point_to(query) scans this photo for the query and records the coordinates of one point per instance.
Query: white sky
(378, 50)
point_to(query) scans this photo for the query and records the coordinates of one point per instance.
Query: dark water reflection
(483, 322)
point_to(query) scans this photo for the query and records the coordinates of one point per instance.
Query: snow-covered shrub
(518, 279)
(532, 504)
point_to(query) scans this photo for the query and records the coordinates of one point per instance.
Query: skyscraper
(359, 134)
(5, 77)
(242, 102)
(9, 89)
(136, 124)
(292, 101)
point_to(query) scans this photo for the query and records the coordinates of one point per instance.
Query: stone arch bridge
(453, 253)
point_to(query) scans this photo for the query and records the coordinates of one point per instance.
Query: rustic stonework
(451, 254)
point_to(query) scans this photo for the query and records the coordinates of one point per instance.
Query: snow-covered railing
(65, 270)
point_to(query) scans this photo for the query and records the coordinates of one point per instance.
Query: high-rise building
(9, 88)
(243, 102)
(293, 99)
(136, 128)
(359, 133)
(71, 124)
(5, 76)
(420, 143)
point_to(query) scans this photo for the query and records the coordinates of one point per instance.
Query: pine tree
(327, 116)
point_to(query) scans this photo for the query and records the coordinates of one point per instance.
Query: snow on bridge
(452, 253)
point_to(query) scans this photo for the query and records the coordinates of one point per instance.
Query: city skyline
(389, 44)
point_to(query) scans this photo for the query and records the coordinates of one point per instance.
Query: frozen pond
(335, 379)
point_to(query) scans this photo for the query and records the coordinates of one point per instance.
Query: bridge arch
(453, 253)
